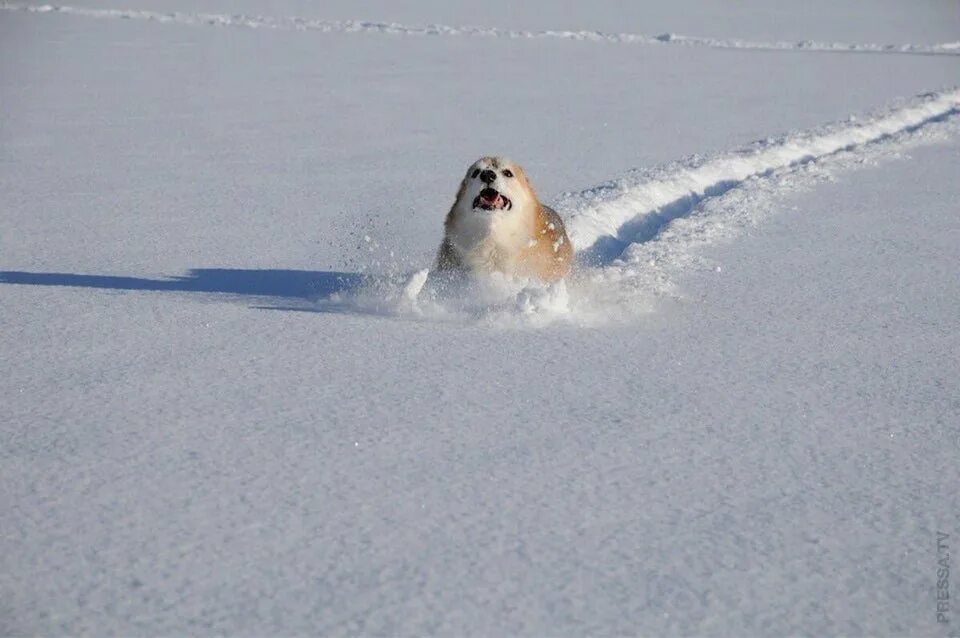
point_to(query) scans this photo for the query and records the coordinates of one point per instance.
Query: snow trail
(604, 220)
(642, 234)
(392, 28)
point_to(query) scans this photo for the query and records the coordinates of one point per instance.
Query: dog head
(495, 185)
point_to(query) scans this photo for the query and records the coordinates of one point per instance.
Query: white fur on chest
(490, 241)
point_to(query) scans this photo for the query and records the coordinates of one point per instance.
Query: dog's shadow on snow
(266, 289)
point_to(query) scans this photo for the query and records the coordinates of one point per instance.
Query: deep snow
(743, 421)
(298, 23)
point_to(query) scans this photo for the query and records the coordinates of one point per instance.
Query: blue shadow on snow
(289, 284)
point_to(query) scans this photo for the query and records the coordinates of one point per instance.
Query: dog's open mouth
(491, 199)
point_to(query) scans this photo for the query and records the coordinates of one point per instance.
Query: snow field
(390, 28)
(220, 417)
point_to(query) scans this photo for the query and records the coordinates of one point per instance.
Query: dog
(497, 224)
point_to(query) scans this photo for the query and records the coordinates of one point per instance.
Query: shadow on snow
(285, 287)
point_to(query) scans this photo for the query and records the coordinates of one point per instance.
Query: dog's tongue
(490, 196)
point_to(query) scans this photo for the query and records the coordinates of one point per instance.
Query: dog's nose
(487, 176)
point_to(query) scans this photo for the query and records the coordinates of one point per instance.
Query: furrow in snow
(604, 220)
(357, 26)
(660, 257)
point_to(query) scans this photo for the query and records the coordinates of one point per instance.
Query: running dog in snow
(497, 224)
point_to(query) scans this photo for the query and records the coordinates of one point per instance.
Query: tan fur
(551, 256)
(535, 245)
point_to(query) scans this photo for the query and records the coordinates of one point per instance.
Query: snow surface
(235, 401)
(393, 28)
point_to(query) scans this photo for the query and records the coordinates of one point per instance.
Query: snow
(393, 28)
(235, 399)
(777, 20)
(681, 188)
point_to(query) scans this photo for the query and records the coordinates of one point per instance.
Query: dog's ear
(461, 190)
(520, 174)
(450, 213)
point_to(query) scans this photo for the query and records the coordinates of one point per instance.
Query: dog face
(495, 185)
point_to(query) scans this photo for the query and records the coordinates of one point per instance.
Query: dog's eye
(507, 172)
(476, 172)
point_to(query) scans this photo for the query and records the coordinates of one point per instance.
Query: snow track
(638, 236)
(607, 219)
(390, 28)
